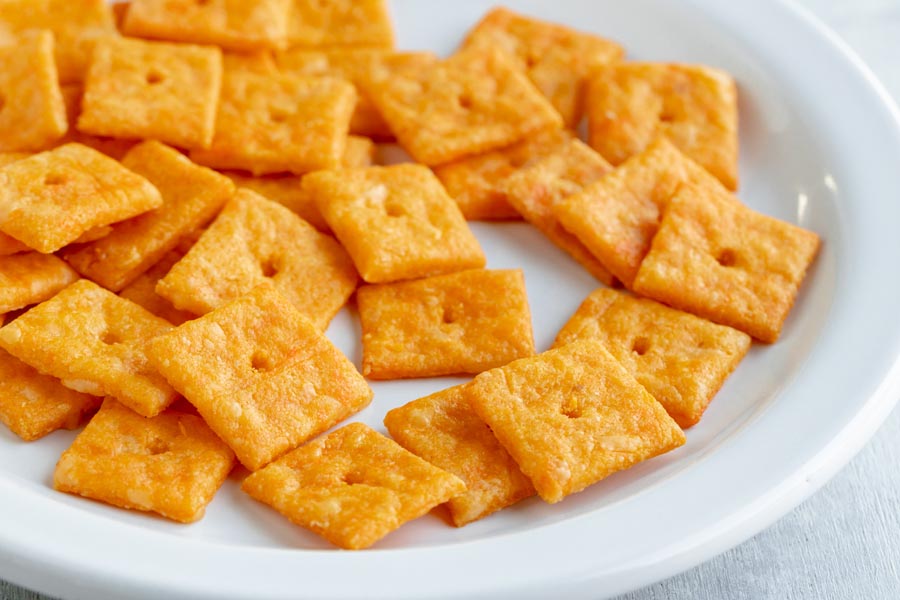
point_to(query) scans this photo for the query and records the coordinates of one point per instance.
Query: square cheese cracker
(444, 430)
(695, 107)
(681, 359)
(33, 405)
(231, 24)
(536, 188)
(473, 102)
(464, 322)
(557, 59)
(32, 111)
(254, 240)
(263, 376)
(139, 89)
(51, 199)
(192, 195)
(723, 261)
(30, 278)
(340, 23)
(616, 217)
(352, 487)
(396, 222)
(95, 342)
(171, 464)
(571, 417)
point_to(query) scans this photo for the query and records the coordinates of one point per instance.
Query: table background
(844, 542)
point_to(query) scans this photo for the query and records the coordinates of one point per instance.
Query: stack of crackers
(188, 197)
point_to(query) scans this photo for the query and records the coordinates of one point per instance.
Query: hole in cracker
(465, 101)
(531, 61)
(54, 179)
(155, 78)
(666, 117)
(157, 446)
(394, 209)
(450, 315)
(571, 408)
(277, 115)
(352, 478)
(727, 257)
(640, 346)
(110, 338)
(202, 2)
(261, 361)
(2, 102)
(269, 268)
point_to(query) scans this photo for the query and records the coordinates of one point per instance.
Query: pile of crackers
(188, 197)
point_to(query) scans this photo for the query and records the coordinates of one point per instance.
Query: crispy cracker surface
(30, 278)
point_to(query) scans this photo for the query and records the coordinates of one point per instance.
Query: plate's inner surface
(782, 174)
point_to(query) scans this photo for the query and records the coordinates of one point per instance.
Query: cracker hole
(110, 338)
(155, 78)
(352, 478)
(531, 61)
(269, 268)
(727, 257)
(2, 102)
(666, 117)
(261, 361)
(54, 179)
(278, 116)
(157, 446)
(202, 2)
(449, 316)
(394, 209)
(571, 409)
(640, 346)
(465, 102)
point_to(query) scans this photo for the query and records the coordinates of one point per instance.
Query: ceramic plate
(819, 145)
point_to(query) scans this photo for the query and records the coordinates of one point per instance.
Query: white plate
(819, 147)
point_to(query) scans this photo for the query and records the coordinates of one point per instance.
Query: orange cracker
(50, 199)
(112, 147)
(95, 343)
(473, 102)
(254, 240)
(192, 195)
(630, 104)
(617, 217)
(263, 376)
(396, 222)
(142, 291)
(537, 187)
(355, 65)
(340, 23)
(477, 182)
(444, 430)
(75, 25)
(681, 359)
(32, 112)
(171, 464)
(10, 245)
(31, 277)
(137, 89)
(279, 123)
(286, 191)
(556, 58)
(33, 405)
(464, 322)
(232, 24)
(571, 417)
(722, 261)
(352, 487)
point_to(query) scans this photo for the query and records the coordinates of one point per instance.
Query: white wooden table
(843, 543)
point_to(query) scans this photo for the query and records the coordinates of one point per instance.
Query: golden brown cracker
(617, 217)
(95, 342)
(192, 195)
(50, 199)
(396, 222)
(231, 24)
(444, 430)
(171, 464)
(464, 322)
(263, 376)
(112, 147)
(557, 59)
(352, 487)
(470, 103)
(537, 187)
(682, 360)
(571, 417)
(340, 23)
(142, 290)
(279, 123)
(75, 26)
(254, 240)
(355, 65)
(33, 405)
(32, 111)
(476, 183)
(138, 89)
(30, 278)
(723, 261)
(630, 104)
